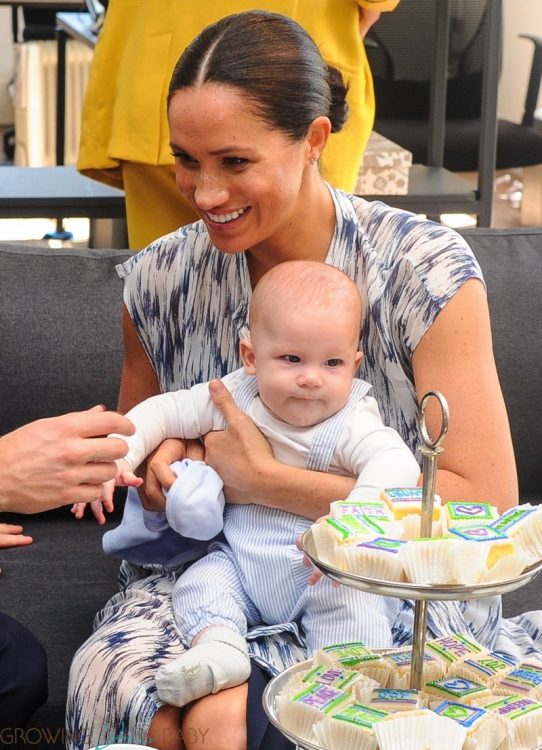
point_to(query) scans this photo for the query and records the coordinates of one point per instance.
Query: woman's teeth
(223, 218)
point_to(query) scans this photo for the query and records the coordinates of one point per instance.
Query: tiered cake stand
(420, 594)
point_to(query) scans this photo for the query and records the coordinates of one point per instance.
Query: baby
(297, 384)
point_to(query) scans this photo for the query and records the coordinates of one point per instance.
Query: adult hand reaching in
(61, 460)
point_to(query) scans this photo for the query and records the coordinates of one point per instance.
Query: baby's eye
(293, 358)
(334, 362)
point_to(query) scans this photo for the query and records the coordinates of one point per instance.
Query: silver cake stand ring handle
(428, 442)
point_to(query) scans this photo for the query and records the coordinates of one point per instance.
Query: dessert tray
(403, 590)
(274, 688)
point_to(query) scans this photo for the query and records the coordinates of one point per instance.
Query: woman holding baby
(251, 106)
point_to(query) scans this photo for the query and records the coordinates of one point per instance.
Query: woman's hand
(12, 536)
(239, 453)
(157, 472)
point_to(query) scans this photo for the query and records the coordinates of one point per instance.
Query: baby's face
(305, 364)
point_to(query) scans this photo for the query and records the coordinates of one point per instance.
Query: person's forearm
(451, 486)
(304, 493)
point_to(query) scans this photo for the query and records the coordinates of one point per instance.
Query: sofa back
(61, 342)
(511, 260)
(60, 331)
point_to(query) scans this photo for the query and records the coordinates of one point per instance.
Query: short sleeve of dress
(414, 267)
(187, 301)
(152, 279)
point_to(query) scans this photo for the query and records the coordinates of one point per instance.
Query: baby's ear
(248, 358)
(357, 360)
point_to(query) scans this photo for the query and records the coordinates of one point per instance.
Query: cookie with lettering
(300, 712)
(351, 728)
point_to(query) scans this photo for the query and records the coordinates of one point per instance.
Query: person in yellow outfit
(124, 133)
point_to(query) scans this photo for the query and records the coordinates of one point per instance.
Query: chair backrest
(400, 48)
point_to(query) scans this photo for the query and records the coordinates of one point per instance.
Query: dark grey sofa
(61, 350)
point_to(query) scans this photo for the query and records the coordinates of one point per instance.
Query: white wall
(520, 17)
(6, 65)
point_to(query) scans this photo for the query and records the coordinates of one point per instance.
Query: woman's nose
(210, 193)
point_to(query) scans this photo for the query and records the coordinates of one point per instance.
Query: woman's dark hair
(274, 62)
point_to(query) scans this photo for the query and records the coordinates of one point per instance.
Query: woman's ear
(248, 358)
(317, 136)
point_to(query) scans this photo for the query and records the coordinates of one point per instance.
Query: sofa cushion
(511, 260)
(60, 331)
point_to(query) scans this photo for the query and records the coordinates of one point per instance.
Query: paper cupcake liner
(297, 719)
(362, 688)
(440, 562)
(370, 563)
(509, 566)
(335, 734)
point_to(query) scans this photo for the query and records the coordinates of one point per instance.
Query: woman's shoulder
(170, 251)
(388, 237)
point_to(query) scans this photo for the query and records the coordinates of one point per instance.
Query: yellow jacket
(124, 115)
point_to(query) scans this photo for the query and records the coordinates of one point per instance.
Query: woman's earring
(314, 161)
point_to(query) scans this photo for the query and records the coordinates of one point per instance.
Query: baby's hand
(97, 506)
(125, 475)
(105, 502)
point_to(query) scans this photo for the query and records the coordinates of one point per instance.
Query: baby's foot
(219, 660)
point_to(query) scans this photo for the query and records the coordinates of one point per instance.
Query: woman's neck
(306, 237)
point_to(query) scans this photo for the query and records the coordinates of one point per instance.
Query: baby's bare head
(308, 290)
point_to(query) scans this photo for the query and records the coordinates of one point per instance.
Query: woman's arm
(455, 356)
(138, 382)
(243, 458)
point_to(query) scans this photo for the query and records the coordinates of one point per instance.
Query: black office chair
(400, 50)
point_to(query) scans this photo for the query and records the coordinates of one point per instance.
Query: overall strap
(325, 440)
(245, 392)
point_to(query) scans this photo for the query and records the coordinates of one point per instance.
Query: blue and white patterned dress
(188, 302)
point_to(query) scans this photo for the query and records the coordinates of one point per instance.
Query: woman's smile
(225, 217)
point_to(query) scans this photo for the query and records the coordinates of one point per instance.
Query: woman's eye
(293, 358)
(334, 362)
(181, 157)
(235, 162)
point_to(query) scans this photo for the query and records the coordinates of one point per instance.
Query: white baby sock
(218, 660)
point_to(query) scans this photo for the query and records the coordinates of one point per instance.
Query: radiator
(35, 101)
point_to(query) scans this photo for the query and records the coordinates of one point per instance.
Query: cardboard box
(384, 169)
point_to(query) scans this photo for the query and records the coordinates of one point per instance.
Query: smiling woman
(247, 179)
(124, 136)
(247, 135)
